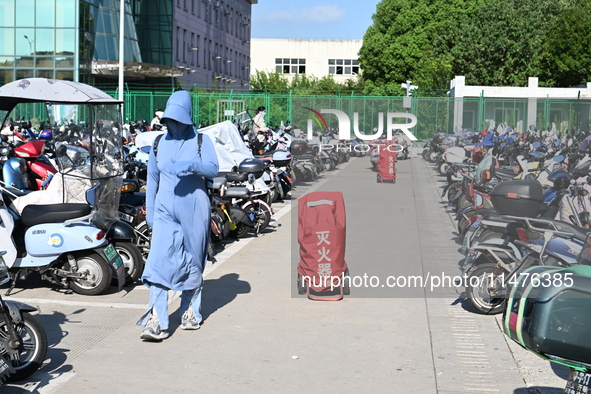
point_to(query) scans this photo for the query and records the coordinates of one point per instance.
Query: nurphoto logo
(345, 124)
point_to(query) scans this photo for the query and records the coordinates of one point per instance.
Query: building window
(209, 58)
(231, 21)
(197, 45)
(290, 66)
(178, 40)
(44, 74)
(184, 46)
(192, 50)
(208, 12)
(193, 6)
(343, 66)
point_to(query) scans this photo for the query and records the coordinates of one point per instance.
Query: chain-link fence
(366, 113)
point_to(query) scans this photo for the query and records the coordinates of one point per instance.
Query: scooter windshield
(96, 157)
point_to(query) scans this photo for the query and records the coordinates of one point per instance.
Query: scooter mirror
(62, 151)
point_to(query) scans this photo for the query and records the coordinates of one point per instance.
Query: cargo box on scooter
(281, 158)
(549, 313)
(298, 147)
(252, 166)
(518, 198)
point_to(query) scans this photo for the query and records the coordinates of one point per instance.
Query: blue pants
(159, 301)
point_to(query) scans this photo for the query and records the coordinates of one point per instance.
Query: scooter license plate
(125, 217)
(113, 256)
(578, 383)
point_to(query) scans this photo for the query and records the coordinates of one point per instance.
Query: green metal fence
(433, 113)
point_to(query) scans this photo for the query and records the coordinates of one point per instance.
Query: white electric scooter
(59, 242)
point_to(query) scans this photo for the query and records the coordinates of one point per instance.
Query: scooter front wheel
(132, 260)
(482, 281)
(144, 235)
(442, 168)
(261, 212)
(34, 346)
(240, 231)
(95, 274)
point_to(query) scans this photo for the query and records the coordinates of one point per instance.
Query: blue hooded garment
(177, 205)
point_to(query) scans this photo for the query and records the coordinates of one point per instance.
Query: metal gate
(228, 109)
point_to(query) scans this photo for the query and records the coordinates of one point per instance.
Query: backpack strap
(156, 142)
(199, 141)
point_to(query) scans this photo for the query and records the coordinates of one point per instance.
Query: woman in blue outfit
(178, 211)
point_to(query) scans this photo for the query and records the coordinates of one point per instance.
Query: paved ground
(259, 336)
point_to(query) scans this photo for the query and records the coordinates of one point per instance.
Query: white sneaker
(189, 321)
(153, 332)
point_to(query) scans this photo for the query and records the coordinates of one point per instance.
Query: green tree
(501, 44)
(569, 46)
(274, 82)
(396, 44)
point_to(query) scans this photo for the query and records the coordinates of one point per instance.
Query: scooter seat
(237, 192)
(234, 176)
(505, 173)
(53, 213)
(495, 220)
(268, 154)
(578, 232)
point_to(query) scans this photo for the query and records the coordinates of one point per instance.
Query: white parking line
(79, 303)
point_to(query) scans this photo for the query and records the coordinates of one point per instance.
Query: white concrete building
(519, 106)
(319, 58)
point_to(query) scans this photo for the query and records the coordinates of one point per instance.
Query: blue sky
(322, 19)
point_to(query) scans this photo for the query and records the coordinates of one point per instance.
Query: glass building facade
(38, 38)
(191, 42)
(154, 21)
(61, 38)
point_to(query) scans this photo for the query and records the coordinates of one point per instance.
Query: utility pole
(407, 101)
(121, 57)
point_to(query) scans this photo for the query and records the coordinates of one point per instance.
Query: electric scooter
(59, 242)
